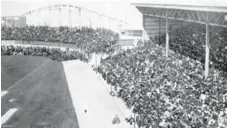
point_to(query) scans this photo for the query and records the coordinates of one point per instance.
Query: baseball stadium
(149, 64)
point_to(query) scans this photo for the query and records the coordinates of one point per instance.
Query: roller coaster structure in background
(70, 15)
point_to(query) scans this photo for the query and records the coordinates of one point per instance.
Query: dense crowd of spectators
(163, 92)
(53, 53)
(190, 41)
(98, 40)
(167, 92)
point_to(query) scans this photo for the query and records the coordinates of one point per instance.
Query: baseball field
(36, 94)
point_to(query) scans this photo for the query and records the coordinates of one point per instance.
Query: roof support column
(100, 22)
(49, 17)
(167, 37)
(80, 17)
(109, 23)
(70, 18)
(159, 20)
(39, 23)
(59, 18)
(90, 22)
(207, 60)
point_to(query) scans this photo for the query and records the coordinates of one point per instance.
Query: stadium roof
(208, 12)
(195, 5)
(218, 3)
(212, 12)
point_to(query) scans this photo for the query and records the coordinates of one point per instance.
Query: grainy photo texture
(114, 64)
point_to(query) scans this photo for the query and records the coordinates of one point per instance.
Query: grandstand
(167, 87)
(175, 79)
(168, 16)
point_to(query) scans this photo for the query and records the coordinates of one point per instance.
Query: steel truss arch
(70, 8)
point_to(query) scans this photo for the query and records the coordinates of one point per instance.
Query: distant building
(129, 38)
(14, 21)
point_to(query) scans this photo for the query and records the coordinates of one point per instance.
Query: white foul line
(27, 75)
(11, 111)
(7, 115)
(4, 93)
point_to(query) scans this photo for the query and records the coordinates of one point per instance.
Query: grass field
(15, 68)
(42, 97)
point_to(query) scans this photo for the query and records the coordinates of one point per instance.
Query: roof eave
(184, 7)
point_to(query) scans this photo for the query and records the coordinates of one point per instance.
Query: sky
(120, 9)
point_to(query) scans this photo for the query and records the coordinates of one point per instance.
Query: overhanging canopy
(213, 15)
(208, 15)
(185, 7)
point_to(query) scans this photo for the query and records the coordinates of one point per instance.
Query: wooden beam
(181, 19)
(217, 19)
(189, 16)
(204, 16)
(194, 16)
(182, 14)
(197, 13)
(213, 16)
(179, 13)
(159, 19)
(174, 13)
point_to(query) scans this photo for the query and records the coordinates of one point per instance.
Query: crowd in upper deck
(98, 40)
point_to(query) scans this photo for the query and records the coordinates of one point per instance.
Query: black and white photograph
(113, 63)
